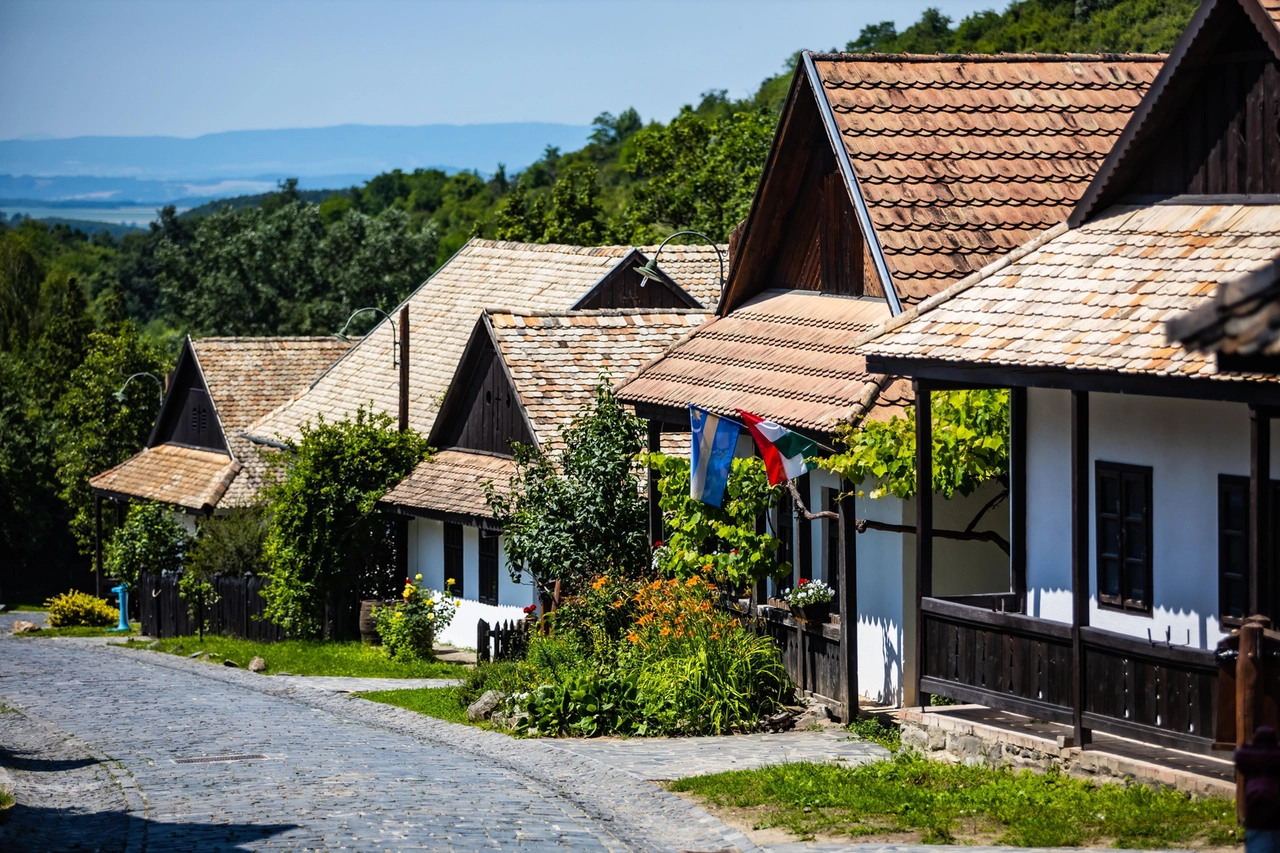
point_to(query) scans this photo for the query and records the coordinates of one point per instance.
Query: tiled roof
(452, 481)
(484, 274)
(694, 268)
(962, 158)
(1094, 297)
(784, 355)
(182, 476)
(1242, 319)
(555, 359)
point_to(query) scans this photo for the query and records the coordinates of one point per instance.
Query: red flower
(532, 608)
(803, 581)
(657, 544)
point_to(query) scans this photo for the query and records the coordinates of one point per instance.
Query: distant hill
(242, 201)
(87, 226)
(343, 150)
(87, 191)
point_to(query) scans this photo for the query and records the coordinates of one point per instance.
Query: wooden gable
(623, 287)
(802, 232)
(187, 416)
(481, 410)
(1210, 124)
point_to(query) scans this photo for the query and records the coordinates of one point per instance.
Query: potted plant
(810, 600)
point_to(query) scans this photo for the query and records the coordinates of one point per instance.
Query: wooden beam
(655, 509)
(1079, 557)
(1018, 495)
(849, 601)
(924, 529)
(1259, 511)
(404, 368)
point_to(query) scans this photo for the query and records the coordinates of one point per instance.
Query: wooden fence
(238, 612)
(810, 653)
(503, 641)
(1148, 691)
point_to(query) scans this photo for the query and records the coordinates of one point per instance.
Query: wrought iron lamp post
(650, 270)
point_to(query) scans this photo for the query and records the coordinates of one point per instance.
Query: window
(1124, 536)
(831, 535)
(488, 567)
(453, 557)
(197, 418)
(1233, 546)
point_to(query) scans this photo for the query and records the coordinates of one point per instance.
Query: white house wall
(1187, 444)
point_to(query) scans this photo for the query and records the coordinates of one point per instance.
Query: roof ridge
(549, 248)
(841, 56)
(598, 312)
(254, 339)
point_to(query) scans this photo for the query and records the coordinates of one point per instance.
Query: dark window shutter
(488, 567)
(1233, 546)
(1123, 515)
(453, 558)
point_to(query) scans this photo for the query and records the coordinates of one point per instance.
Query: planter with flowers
(408, 626)
(810, 600)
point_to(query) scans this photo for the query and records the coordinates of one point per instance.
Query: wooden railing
(810, 653)
(1131, 687)
(502, 641)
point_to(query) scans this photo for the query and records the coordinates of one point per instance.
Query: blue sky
(184, 68)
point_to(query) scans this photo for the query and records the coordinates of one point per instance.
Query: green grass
(947, 803)
(25, 608)
(308, 657)
(871, 728)
(439, 702)
(82, 631)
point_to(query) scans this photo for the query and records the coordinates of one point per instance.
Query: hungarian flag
(784, 451)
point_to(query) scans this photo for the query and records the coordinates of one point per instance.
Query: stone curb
(635, 814)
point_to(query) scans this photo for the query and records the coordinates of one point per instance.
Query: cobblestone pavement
(678, 758)
(357, 685)
(91, 735)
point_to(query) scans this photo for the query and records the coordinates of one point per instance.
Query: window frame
(454, 554)
(1124, 602)
(490, 565)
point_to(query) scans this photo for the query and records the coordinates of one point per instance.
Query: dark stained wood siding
(623, 287)
(188, 417)
(487, 416)
(1218, 131)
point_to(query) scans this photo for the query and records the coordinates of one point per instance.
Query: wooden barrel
(369, 625)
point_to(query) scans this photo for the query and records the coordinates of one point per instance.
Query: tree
(150, 540)
(230, 545)
(21, 272)
(95, 431)
(578, 514)
(325, 535)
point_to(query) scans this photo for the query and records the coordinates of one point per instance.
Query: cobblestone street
(91, 735)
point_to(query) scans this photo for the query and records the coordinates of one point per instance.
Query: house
(521, 379)
(196, 458)
(1142, 476)
(890, 178)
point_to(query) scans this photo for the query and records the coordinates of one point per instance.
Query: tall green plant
(578, 514)
(970, 446)
(724, 537)
(230, 545)
(325, 533)
(150, 540)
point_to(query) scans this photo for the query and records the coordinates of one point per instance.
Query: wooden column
(924, 527)
(404, 368)
(1018, 496)
(655, 509)
(97, 545)
(1079, 556)
(1259, 512)
(848, 593)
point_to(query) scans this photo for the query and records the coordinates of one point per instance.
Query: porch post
(849, 601)
(1018, 496)
(924, 531)
(97, 545)
(1079, 557)
(1259, 591)
(655, 510)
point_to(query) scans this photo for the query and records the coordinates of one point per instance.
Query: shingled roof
(246, 378)
(1242, 320)
(785, 355)
(452, 485)
(484, 274)
(695, 268)
(1093, 298)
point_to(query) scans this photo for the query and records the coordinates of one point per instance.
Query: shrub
(75, 609)
(409, 627)
(226, 545)
(150, 540)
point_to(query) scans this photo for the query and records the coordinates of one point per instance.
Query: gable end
(481, 410)
(187, 416)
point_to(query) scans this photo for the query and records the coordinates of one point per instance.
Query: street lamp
(119, 394)
(650, 270)
(395, 337)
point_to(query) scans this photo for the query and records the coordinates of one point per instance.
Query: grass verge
(439, 702)
(909, 796)
(83, 631)
(308, 657)
(25, 608)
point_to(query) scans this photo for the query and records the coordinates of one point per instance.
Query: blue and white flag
(714, 441)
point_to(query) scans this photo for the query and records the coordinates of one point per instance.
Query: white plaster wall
(1049, 504)
(426, 551)
(518, 593)
(462, 630)
(1187, 444)
(883, 560)
(969, 568)
(470, 562)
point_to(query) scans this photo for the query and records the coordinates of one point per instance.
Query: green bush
(150, 540)
(409, 627)
(226, 545)
(79, 609)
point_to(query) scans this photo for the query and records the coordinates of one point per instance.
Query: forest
(80, 312)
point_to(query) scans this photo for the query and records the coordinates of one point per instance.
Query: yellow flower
(399, 614)
(430, 602)
(417, 577)
(450, 582)
(431, 616)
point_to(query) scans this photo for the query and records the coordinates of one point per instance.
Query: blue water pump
(122, 593)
